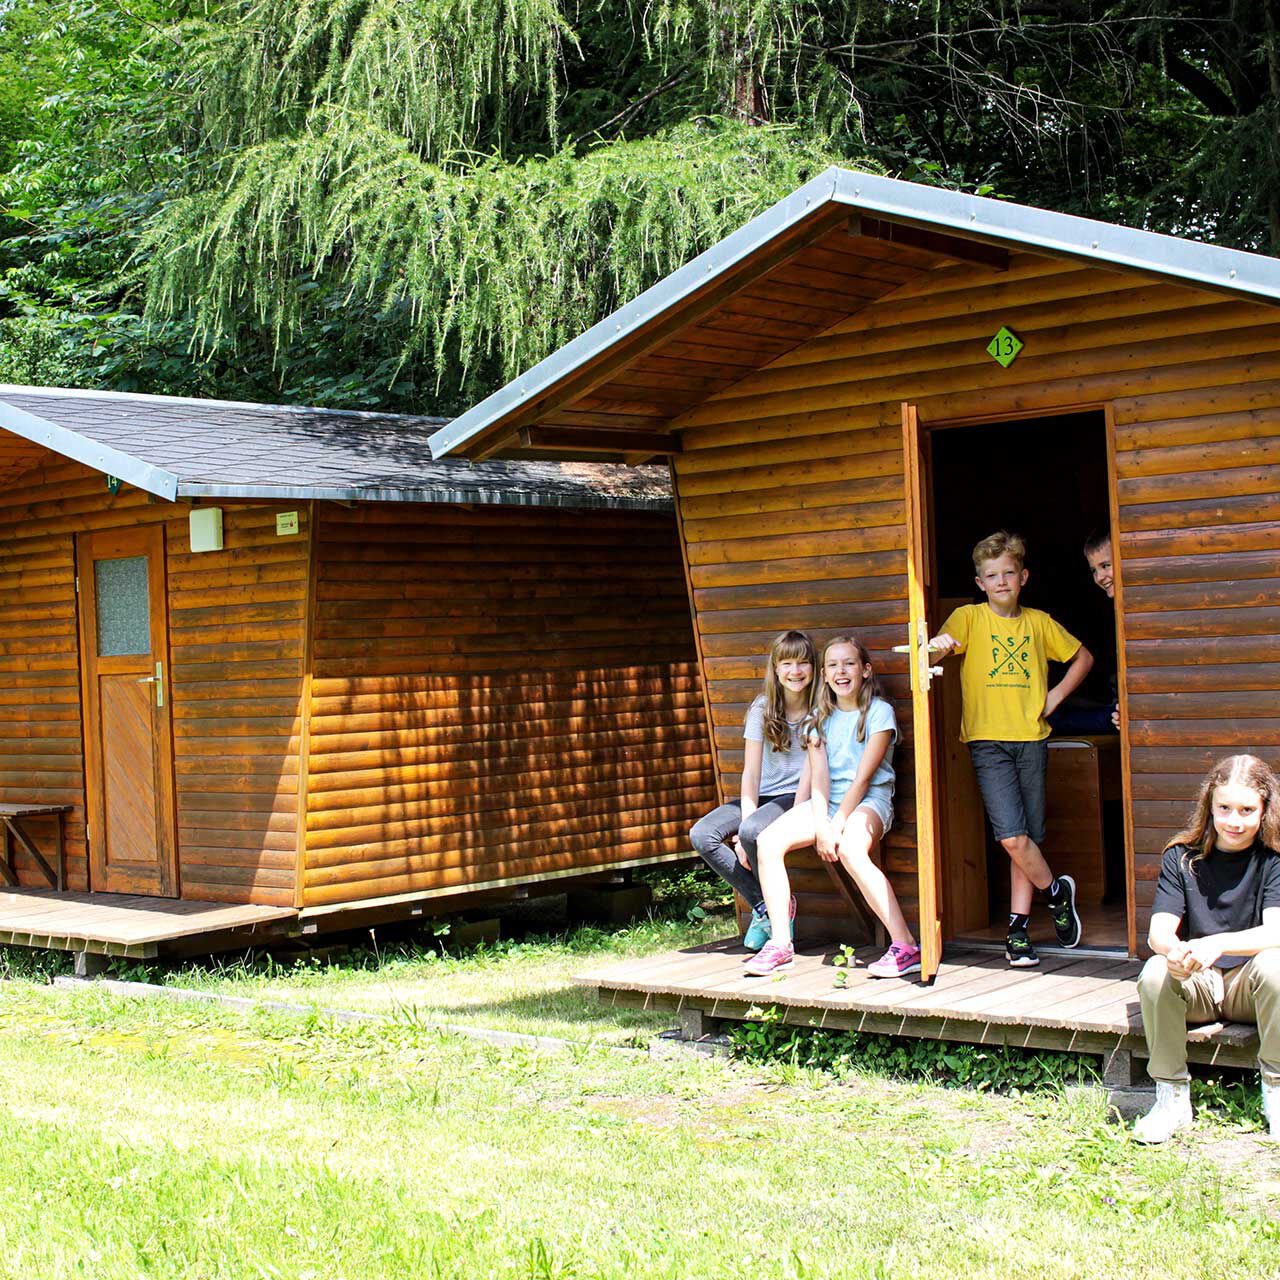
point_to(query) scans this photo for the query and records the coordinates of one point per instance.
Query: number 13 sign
(1004, 347)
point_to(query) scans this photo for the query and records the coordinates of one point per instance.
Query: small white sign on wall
(206, 528)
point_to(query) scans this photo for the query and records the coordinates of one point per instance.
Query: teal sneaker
(759, 931)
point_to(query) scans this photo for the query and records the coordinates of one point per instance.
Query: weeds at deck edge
(993, 1068)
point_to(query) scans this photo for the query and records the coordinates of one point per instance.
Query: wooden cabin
(865, 380)
(284, 658)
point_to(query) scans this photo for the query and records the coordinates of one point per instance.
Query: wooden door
(928, 845)
(124, 646)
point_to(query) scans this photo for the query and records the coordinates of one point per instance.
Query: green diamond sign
(1004, 347)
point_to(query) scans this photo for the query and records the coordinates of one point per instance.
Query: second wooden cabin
(282, 657)
(865, 380)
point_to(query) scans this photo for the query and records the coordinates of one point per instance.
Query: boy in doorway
(1005, 698)
(1097, 553)
(1082, 714)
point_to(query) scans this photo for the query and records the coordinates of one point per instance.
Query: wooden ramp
(1085, 1004)
(113, 924)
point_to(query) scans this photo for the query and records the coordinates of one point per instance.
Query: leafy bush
(997, 1068)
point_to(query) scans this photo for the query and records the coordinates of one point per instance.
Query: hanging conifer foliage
(397, 203)
(409, 154)
(496, 260)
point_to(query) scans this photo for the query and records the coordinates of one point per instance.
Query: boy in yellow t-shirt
(1005, 694)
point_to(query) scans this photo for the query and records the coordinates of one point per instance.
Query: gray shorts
(879, 799)
(1011, 778)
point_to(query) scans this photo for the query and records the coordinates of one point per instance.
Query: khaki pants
(1248, 993)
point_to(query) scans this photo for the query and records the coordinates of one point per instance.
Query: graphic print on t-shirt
(1009, 655)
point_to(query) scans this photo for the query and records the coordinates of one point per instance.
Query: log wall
(498, 694)
(236, 662)
(791, 495)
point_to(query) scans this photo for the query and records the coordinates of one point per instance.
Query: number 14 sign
(1004, 347)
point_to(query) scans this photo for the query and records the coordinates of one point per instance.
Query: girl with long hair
(850, 808)
(773, 771)
(1215, 932)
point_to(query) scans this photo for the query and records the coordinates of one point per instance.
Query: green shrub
(996, 1068)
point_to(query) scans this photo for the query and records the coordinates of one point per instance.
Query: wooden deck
(113, 924)
(1084, 1004)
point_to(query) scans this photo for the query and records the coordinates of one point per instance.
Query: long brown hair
(777, 729)
(1239, 771)
(869, 691)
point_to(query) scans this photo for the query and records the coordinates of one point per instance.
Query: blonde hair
(777, 729)
(1000, 543)
(869, 691)
(1239, 771)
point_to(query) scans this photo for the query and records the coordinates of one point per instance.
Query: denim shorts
(1011, 778)
(879, 799)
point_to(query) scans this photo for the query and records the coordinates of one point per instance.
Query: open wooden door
(128, 734)
(928, 847)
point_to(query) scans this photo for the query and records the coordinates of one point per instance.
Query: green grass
(147, 1139)
(524, 983)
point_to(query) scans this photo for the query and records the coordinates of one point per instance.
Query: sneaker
(1271, 1110)
(901, 959)
(1171, 1113)
(759, 931)
(1066, 923)
(1019, 951)
(771, 959)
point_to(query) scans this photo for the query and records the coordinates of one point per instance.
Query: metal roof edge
(101, 457)
(431, 494)
(726, 253)
(1062, 234)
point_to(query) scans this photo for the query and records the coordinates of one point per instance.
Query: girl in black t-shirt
(1215, 931)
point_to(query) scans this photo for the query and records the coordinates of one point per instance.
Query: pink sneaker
(770, 959)
(901, 959)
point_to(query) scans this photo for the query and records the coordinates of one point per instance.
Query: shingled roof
(178, 448)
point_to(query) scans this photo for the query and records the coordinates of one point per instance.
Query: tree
(399, 203)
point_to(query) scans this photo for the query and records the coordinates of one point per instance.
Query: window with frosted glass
(124, 624)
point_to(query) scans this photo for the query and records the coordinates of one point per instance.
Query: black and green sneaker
(1066, 921)
(1017, 947)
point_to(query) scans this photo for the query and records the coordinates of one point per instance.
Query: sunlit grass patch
(314, 1148)
(522, 983)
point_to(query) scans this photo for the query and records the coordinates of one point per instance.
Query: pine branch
(633, 108)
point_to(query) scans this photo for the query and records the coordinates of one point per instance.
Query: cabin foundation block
(697, 1033)
(91, 964)
(609, 903)
(1130, 1090)
(465, 935)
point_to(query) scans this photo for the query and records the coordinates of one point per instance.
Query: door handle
(920, 651)
(158, 681)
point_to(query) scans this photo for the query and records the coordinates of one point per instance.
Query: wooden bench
(12, 815)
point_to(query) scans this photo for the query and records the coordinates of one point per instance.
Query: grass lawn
(149, 1139)
(523, 983)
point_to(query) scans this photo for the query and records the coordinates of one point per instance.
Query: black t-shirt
(1222, 893)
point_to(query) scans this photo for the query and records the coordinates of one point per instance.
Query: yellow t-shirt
(1005, 674)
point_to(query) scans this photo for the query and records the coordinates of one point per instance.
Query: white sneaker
(1171, 1113)
(1271, 1110)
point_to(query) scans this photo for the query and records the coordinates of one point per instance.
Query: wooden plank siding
(497, 694)
(790, 487)
(235, 620)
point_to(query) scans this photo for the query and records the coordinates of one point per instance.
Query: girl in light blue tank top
(851, 808)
